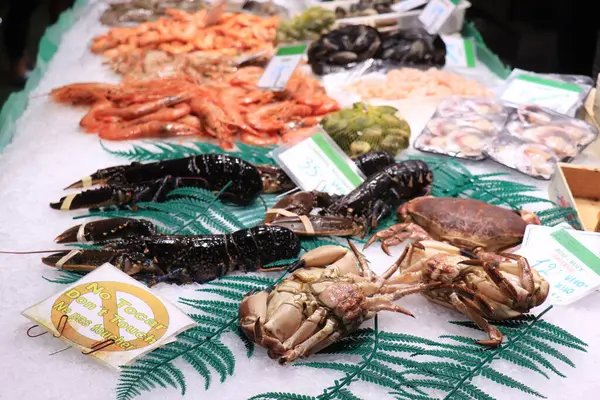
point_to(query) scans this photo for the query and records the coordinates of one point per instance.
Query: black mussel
(343, 47)
(413, 47)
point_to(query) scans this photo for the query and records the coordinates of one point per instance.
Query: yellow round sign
(114, 314)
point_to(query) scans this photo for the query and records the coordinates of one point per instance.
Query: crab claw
(107, 229)
(100, 197)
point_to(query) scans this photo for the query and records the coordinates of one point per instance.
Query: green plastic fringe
(17, 102)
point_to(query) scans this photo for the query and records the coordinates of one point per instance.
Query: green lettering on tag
(549, 82)
(337, 160)
(584, 255)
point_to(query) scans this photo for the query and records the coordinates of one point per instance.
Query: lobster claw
(107, 229)
(318, 225)
(88, 260)
(102, 176)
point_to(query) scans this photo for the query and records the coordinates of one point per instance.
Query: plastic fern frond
(281, 396)
(65, 277)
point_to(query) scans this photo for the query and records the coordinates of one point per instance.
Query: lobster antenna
(31, 252)
(264, 202)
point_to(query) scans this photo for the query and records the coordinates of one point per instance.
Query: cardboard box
(578, 187)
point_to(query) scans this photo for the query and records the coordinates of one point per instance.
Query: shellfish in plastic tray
(533, 159)
(566, 136)
(457, 141)
(456, 106)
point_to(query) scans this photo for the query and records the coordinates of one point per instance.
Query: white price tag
(460, 52)
(317, 163)
(282, 67)
(555, 95)
(436, 13)
(565, 258)
(407, 5)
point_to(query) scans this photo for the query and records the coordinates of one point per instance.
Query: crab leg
(364, 265)
(308, 327)
(304, 347)
(495, 336)
(525, 273)
(396, 234)
(334, 337)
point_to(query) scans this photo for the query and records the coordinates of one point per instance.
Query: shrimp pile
(413, 83)
(227, 110)
(199, 66)
(184, 32)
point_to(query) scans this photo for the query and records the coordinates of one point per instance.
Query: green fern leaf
(532, 354)
(164, 375)
(198, 364)
(243, 287)
(228, 294)
(432, 384)
(260, 281)
(518, 359)
(208, 320)
(560, 332)
(215, 307)
(342, 367)
(66, 277)
(250, 347)
(226, 355)
(474, 392)
(553, 337)
(393, 347)
(405, 338)
(281, 396)
(383, 370)
(402, 395)
(556, 215)
(374, 377)
(507, 381)
(345, 394)
(465, 358)
(214, 361)
(545, 348)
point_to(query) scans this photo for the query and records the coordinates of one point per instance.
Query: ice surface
(49, 152)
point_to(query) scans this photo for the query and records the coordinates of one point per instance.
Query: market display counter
(549, 354)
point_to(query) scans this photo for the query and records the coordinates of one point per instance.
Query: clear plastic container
(404, 20)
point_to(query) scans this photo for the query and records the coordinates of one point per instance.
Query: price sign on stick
(318, 163)
(281, 67)
(436, 13)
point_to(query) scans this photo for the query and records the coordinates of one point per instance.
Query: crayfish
(317, 213)
(136, 247)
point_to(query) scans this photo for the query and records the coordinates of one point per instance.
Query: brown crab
(479, 289)
(466, 223)
(328, 297)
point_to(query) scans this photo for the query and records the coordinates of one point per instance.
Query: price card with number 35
(317, 163)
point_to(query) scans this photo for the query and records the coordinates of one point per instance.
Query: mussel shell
(413, 47)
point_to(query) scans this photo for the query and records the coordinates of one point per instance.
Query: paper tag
(436, 13)
(549, 93)
(460, 52)
(569, 266)
(109, 304)
(317, 163)
(281, 67)
(407, 5)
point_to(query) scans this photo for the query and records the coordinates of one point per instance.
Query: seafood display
(185, 32)
(481, 289)
(462, 127)
(364, 128)
(309, 25)
(413, 47)
(327, 297)
(343, 47)
(199, 66)
(411, 83)
(262, 8)
(473, 224)
(238, 181)
(154, 258)
(221, 110)
(318, 213)
(136, 11)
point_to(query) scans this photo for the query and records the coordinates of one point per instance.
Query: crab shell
(466, 222)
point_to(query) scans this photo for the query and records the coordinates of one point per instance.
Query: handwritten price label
(317, 163)
(460, 52)
(282, 67)
(571, 269)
